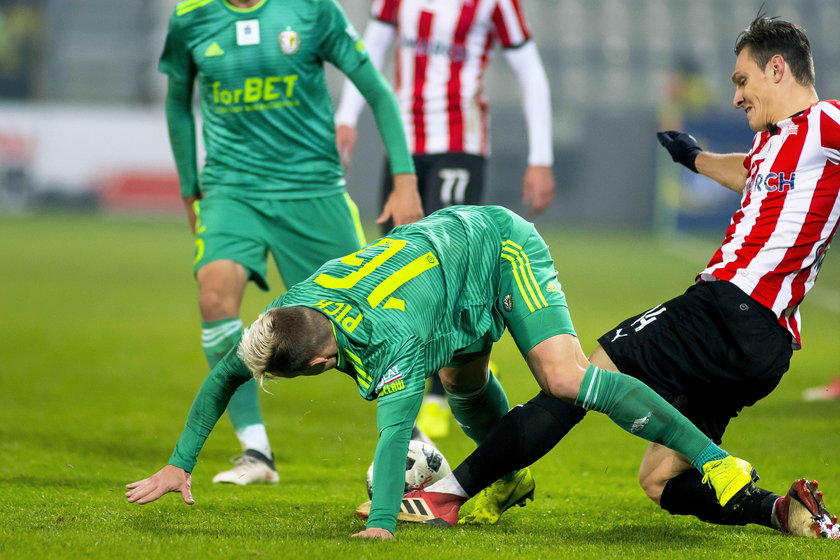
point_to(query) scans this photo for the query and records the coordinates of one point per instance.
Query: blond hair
(283, 340)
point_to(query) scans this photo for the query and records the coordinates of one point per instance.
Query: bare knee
(653, 484)
(220, 288)
(558, 365)
(659, 465)
(563, 383)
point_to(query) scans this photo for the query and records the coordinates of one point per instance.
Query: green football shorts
(300, 234)
(530, 297)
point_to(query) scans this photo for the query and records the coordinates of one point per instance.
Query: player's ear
(319, 360)
(777, 67)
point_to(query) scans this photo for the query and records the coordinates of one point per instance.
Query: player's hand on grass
(403, 205)
(375, 533)
(537, 188)
(168, 479)
(682, 146)
(345, 141)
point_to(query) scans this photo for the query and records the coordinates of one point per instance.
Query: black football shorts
(709, 352)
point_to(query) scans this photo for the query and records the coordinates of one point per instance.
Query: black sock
(522, 436)
(687, 495)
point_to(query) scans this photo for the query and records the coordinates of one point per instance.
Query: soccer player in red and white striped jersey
(727, 341)
(442, 50)
(789, 211)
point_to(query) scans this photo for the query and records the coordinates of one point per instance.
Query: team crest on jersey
(289, 41)
(507, 303)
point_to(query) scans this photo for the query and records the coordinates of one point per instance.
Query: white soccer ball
(424, 465)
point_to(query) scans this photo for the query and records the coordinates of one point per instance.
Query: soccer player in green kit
(272, 180)
(434, 296)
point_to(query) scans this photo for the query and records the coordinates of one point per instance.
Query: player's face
(753, 91)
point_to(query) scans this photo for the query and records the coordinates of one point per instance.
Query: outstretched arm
(726, 169)
(209, 405)
(538, 184)
(377, 39)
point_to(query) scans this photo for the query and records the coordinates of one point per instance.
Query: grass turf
(100, 359)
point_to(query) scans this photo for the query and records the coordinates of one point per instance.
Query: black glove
(682, 147)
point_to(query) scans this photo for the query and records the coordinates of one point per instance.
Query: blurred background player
(830, 392)
(442, 50)
(726, 342)
(272, 171)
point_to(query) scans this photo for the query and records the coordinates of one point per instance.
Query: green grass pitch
(100, 359)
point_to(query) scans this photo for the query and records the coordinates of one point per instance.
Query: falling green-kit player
(434, 296)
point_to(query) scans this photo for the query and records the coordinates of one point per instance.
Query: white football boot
(252, 467)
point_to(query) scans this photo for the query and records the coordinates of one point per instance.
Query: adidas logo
(414, 506)
(214, 50)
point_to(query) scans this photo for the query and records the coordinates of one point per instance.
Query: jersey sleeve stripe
(509, 23)
(385, 11)
(189, 5)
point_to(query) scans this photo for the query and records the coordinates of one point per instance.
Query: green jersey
(401, 309)
(267, 116)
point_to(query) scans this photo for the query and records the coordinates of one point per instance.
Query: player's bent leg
(659, 465)
(600, 358)
(637, 409)
(221, 287)
(679, 489)
(475, 397)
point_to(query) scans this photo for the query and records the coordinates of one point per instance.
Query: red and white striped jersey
(443, 47)
(777, 240)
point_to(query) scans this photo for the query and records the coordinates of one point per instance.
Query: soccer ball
(424, 465)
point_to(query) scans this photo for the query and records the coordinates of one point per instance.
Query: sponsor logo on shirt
(397, 385)
(390, 376)
(772, 182)
(456, 53)
(256, 94)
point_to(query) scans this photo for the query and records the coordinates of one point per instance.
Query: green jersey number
(387, 286)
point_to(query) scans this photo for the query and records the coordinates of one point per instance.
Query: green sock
(477, 412)
(636, 408)
(217, 337)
